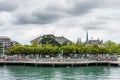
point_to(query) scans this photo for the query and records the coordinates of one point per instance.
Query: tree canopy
(48, 49)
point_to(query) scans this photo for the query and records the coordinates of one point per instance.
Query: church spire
(87, 37)
(78, 40)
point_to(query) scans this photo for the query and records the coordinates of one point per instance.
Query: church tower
(79, 40)
(87, 37)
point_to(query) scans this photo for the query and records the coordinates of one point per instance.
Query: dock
(61, 63)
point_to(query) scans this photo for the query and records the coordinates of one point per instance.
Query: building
(6, 42)
(79, 41)
(60, 40)
(94, 42)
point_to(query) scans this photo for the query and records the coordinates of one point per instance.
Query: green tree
(49, 39)
(48, 49)
(69, 49)
(35, 43)
(1, 49)
(111, 46)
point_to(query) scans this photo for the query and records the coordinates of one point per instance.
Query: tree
(49, 39)
(1, 49)
(48, 49)
(109, 43)
(35, 43)
(69, 49)
(20, 50)
(111, 46)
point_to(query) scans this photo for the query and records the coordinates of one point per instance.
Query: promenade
(60, 62)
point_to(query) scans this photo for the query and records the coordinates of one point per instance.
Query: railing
(55, 60)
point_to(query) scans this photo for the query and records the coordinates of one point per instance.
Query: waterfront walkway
(59, 62)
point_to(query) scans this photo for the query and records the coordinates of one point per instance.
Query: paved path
(60, 62)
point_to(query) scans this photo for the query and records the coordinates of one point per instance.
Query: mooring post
(96, 64)
(72, 65)
(86, 64)
(53, 65)
(118, 64)
(24, 64)
(36, 64)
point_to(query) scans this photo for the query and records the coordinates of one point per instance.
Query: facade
(94, 42)
(60, 40)
(6, 42)
(79, 41)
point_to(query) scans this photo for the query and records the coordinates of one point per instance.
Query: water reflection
(49, 73)
(5, 74)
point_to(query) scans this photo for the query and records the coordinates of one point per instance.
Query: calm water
(44, 73)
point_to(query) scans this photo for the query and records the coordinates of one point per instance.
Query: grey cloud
(75, 7)
(1, 23)
(94, 25)
(53, 13)
(83, 7)
(38, 17)
(47, 17)
(68, 17)
(8, 5)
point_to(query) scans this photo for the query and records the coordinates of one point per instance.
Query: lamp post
(3, 48)
(61, 55)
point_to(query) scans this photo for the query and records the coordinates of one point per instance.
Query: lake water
(59, 73)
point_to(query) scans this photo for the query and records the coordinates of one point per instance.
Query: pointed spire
(87, 37)
(78, 40)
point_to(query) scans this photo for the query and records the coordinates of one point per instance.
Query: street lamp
(3, 48)
(62, 54)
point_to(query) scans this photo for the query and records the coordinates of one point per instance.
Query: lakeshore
(71, 61)
(60, 63)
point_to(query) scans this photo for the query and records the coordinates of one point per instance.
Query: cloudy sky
(24, 20)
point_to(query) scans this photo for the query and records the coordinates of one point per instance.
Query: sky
(24, 20)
